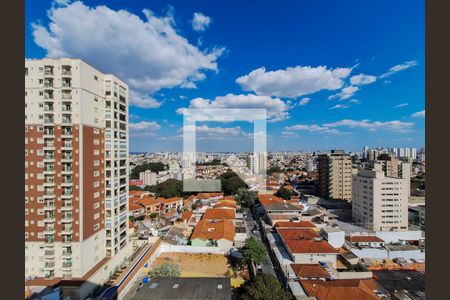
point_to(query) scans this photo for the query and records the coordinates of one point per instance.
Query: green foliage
(254, 250)
(231, 183)
(165, 270)
(214, 162)
(153, 215)
(152, 166)
(246, 198)
(167, 189)
(265, 287)
(274, 169)
(285, 193)
(135, 188)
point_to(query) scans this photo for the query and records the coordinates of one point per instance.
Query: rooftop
(301, 224)
(304, 271)
(185, 288)
(219, 214)
(364, 239)
(222, 229)
(343, 289)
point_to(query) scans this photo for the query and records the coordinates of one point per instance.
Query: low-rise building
(220, 233)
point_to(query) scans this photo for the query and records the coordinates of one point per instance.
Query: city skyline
(361, 83)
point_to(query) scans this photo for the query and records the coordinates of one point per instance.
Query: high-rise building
(365, 152)
(148, 177)
(380, 202)
(76, 167)
(257, 162)
(335, 175)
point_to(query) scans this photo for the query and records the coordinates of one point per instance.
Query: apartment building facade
(380, 202)
(71, 167)
(335, 175)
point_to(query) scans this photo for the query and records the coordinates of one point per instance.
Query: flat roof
(413, 282)
(185, 288)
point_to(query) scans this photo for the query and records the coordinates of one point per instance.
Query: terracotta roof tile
(149, 201)
(223, 229)
(342, 289)
(219, 214)
(301, 224)
(304, 271)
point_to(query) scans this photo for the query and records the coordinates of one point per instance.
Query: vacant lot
(197, 265)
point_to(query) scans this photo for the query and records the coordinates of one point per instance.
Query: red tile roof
(133, 206)
(186, 215)
(208, 195)
(301, 224)
(219, 214)
(304, 271)
(266, 199)
(310, 246)
(149, 201)
(169, 200)
(297, 234)
(364, 239)
(225, 204)
(223, 229)
(342, 289)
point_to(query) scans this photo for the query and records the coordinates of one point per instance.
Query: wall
(309, 258)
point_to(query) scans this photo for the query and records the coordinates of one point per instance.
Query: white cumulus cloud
(293, 82)
(200, 22)
(419, 114)
(277, 109)
(398, 68)
(345, 93)
(143, 128)
(362, 79)
(396, 126)
(148, 53)
(340, 106)
(304, 101)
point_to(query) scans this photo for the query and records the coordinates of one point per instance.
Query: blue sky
(332, 74)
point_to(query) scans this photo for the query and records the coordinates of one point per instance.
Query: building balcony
(66, 72)
(49, 230)
(67, 231)
(49, 171)
(49, 219)
(66, 208)
(49, 266)
(49, 184)
(66, 254)
(49, 196)
(66, 183)
(67, 220)
(49, 253)
(67, 266)
(49, 207)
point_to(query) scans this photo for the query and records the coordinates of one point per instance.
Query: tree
(152, 166)
(167, 189)
(285, 193)
(231, 183)
(153, 215)
(265, 287)
(165, 270)
(274, 169)
(247, 198)
(135, 188)
(254, 250)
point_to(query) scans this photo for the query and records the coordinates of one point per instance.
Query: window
(96, 226)
(41, 81)
(26, 71)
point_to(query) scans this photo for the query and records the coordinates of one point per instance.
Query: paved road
(272, 266)
(267, 266)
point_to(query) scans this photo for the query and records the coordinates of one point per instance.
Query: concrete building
(335, 175)
(380, 203)
(76, 167)
(148, 177)
(257, 163)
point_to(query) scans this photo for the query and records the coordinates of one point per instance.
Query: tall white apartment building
(379, 202)
(148, 177)
(76, 167)
(257, 162)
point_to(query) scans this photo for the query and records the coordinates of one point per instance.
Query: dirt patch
(197, 265)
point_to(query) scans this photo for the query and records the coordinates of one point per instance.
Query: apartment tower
(380, 202)
(335, 175)
(76, 167)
